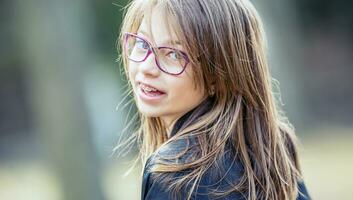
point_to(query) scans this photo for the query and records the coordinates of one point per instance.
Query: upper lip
(150, 85)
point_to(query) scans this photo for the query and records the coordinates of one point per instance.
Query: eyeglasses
(169, 60)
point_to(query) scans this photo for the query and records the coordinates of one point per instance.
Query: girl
(209, 127)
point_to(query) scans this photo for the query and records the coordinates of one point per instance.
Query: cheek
(131, 71)
(132, 74)
(183, 90)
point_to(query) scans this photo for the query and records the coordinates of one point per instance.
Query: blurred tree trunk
(284, 43)
(55, 37)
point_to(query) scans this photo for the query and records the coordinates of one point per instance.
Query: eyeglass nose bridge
(150, 51)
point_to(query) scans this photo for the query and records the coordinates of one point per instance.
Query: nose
(149, 66)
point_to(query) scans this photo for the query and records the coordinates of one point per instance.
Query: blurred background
(60, 85)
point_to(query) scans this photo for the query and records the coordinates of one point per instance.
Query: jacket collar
(191, 116)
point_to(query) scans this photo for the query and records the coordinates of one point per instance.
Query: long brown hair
(226, 44)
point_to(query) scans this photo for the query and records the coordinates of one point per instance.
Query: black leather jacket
(153, 189)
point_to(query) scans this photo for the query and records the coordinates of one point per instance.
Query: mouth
(149, 90)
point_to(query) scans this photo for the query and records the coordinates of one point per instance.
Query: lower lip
(149, 97)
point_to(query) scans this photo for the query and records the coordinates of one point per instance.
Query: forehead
(158, 28)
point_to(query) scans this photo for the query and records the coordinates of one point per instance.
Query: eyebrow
(165, 42)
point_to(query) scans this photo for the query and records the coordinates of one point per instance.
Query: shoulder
(221, 177)
(178, 151)
(186, 150)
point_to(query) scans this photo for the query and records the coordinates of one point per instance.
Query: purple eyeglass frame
(151, 50)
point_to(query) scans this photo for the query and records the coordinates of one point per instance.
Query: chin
(150, 112)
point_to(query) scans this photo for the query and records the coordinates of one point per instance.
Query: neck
(169, 124)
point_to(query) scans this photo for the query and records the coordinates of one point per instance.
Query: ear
(212, 90)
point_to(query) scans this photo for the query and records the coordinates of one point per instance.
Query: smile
(150, 94)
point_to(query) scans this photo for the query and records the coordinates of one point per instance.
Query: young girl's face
(179, 94)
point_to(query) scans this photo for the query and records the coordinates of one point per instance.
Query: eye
(141, 44)
(175, 55)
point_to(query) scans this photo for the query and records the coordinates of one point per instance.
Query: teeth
(148, 89)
